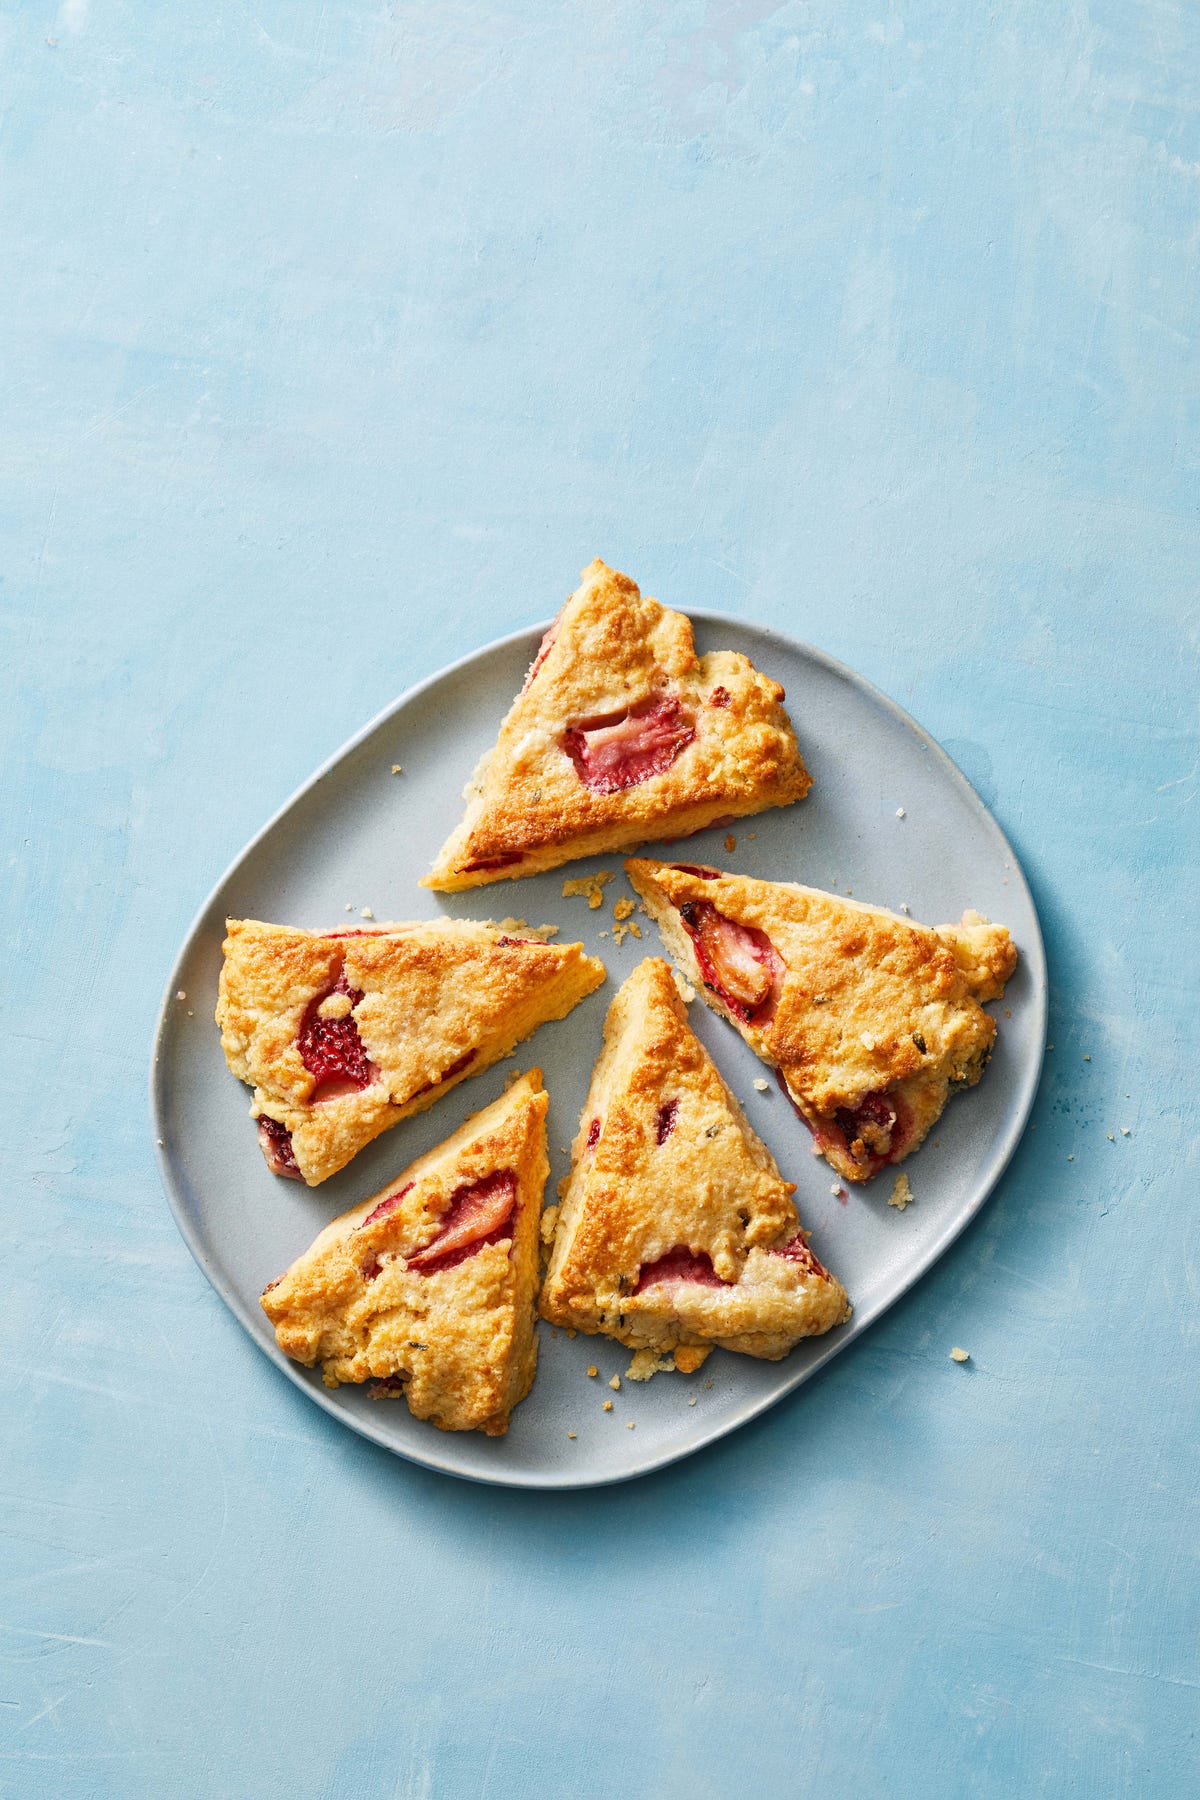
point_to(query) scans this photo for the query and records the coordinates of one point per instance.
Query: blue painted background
(334, 340)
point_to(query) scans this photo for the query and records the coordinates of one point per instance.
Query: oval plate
(356, 833)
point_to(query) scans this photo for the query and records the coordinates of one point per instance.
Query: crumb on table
(593, 1371)
(615, 1383)
(396, 769)
(622, 907)
(960, 1356)
(608, 1406)
(647, 1363)
(762, 1086)
(730, 841)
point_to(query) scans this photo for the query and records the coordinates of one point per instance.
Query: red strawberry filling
(664, 1125)
(478, 1214)
(493, 862)
(456, 1068)
(680, 1264)
(720, 696)
(593, 1136)
(798, 1252)
(738, 962)
(275, 1141)
(387, 1205)
(619, 750)
(873, 1133)
(331, 1049)
(544, 649)
(699, 869)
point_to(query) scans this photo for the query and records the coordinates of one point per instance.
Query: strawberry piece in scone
(620, 734)
(342, 1034)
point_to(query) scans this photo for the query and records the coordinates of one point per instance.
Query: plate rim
(1002, 1151)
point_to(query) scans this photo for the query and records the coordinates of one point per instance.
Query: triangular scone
(869, 1019)
(343, 1033)
(621, 734)
(676, 1230)
(428, 1286)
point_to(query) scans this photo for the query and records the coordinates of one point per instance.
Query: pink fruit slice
(619, 750)
(387, 1205)
(331, 1049)
(477, 1214)
(874, 1133)
(798, 1252)
(276, 1143)
(494, 862)
(738, 962)
(680, 1264)
(456, 1068)
(544, 649)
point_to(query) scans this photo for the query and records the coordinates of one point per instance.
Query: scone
(343, 1033)
(676, 1230)
(621, 734)
(868, 1019)
(427, 1288)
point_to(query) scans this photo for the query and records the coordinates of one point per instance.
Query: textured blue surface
(335, 340)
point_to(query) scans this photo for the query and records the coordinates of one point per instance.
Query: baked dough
(427, 1288)
(869, 1019)
(621, 734)
(676, 1230)
(343, 1033)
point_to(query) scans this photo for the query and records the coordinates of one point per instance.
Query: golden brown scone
(676, 1230)
(869, 1019)
(428, 1287)
(343, 1033)
(620, 734)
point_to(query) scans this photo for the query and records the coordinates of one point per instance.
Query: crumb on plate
(901, 1194)
(590, 885)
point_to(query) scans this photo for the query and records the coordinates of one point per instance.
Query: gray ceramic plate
(357, 834)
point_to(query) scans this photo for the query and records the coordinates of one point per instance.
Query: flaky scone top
(863, 1002)
(715, 724)
(430, 1003)
(370, 1300)
(674, 1214)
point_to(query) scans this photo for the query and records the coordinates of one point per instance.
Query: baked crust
(431, 996)
(457, 1341)
(867, 1006)
(706, 1186)
(611, 649)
